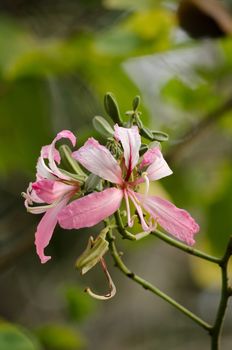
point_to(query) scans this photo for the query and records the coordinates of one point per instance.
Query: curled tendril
(112, 288)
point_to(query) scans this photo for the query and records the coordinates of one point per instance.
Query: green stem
(225, 295)
(173, 242)
(120, 264)
(185, 247)
(125, 234)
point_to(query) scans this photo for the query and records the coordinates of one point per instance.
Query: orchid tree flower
(50, 192)
(125, 176)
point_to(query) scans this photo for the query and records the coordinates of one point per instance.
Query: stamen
(147, 182)
(112, 287)
(130, 220)
(140, 212)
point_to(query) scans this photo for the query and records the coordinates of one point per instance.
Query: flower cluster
(62, 195)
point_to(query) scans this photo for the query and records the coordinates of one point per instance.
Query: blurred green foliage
(15, 338)
(60, 337)
(78, 304)
(59, 81)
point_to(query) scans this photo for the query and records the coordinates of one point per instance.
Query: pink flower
(126, 177)
(51, 192)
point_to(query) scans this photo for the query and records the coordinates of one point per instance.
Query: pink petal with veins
(149, 156)
(91, 209)
(45, 152)
(52, 152)
(98, 160)
(177, 222)
(131, 142)
(49, 191)
(46, 227)
(42, 170)
(52, 172)
(157, 165)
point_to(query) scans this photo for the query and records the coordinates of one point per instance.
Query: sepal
(94, 252)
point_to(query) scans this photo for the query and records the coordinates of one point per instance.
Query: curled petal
(157, 165)
(177, 222)
(31, 196)
(98, 159)
(91, 209)
(131, 142)
(52, 152)
(49, 152)
(49, 191)
(42, 170)
(45, 153)
(46, 227)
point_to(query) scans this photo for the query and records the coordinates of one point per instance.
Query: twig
(185, 248)
(146, 285)
(226, 289)
(215, 332)
(125, 234)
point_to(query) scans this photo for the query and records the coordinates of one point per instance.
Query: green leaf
(143, 149)
(112, 109)
(145, 132)
(136, 103)
(159, 136)
(15, 338)
(102, 126)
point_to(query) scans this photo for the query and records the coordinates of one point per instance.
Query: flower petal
(42, 170)
(157, 165)
(91, 209)
(46, 227)
(131, 142)
(45, 153)
(177, 222)
(52, 152)
(98, 159)
(49, 191)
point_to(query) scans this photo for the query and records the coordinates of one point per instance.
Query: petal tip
(45, 259)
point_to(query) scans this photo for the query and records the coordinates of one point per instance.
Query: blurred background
(57, 60)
